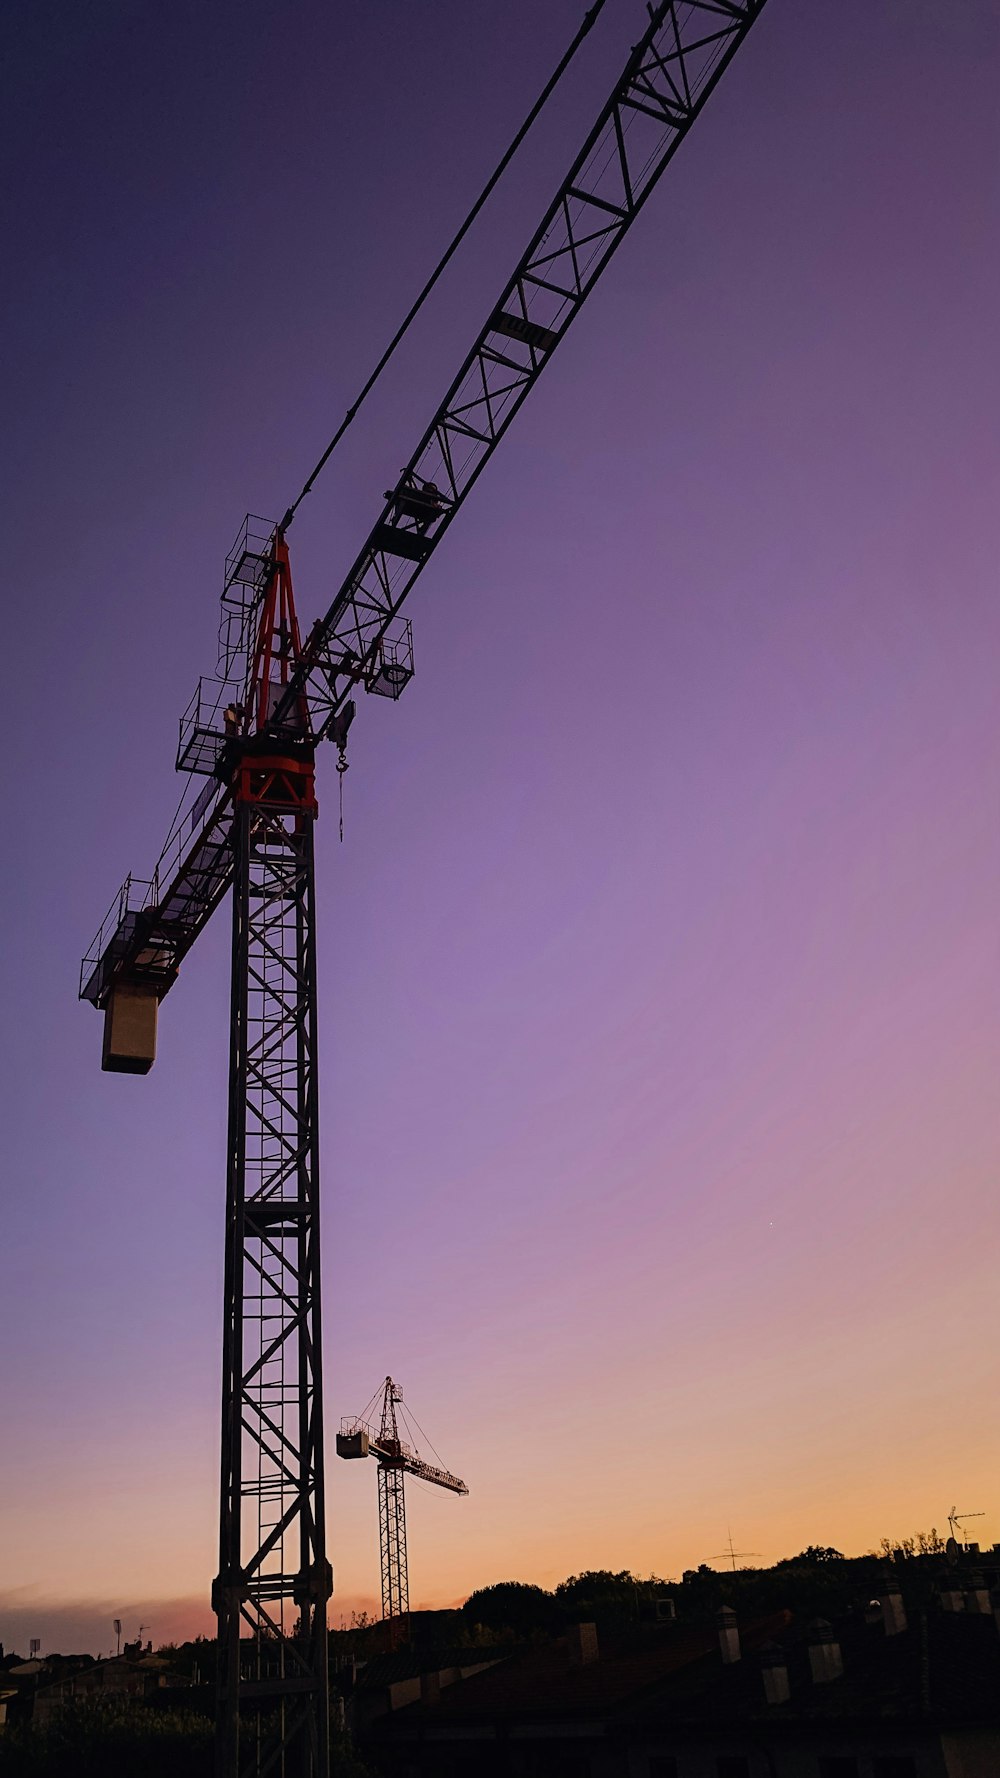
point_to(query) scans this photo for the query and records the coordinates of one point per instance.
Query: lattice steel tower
(273, 1577)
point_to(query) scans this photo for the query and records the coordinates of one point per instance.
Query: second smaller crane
(395, 1459)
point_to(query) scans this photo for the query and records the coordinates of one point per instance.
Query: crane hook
(342, 767)
(339, 730)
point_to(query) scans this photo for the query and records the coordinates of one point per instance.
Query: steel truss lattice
(274, 1579)
(668, 78)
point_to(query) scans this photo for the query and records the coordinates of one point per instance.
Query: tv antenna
(955, 1520)
(731, 1555)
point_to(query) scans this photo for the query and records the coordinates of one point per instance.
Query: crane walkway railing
(153, 922)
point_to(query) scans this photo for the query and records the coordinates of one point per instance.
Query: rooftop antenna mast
(733, 1556)
(955, 1520)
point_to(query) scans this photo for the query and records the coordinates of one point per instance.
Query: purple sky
(659, 970)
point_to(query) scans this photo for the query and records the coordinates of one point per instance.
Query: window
(663, 1765)
(838, 1765)
(895, 1765)
(732, 1765)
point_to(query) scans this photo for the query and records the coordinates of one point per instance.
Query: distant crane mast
(395, 1459)
(251, 733)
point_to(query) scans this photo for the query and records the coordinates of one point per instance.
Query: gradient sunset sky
(659, 972)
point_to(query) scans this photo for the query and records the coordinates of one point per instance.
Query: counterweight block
(129, 1029)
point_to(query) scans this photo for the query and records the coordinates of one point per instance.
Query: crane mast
(392, 1513)
(274, 1579)
(251, 733)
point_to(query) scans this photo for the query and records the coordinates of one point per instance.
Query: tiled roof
(944, 1668)
(384, 1670)
(543, 1682)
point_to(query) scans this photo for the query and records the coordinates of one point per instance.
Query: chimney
(892, 1608)
(774, 1672)
(977, 1595)
(430, 1688)
(825, 1659)
(729, 1635)
(581, 1641)
(950, 1594)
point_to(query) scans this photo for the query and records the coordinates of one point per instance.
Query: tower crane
(251, 733)
(358, 1438)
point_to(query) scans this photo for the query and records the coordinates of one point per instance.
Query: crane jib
(667, 79)
(666, 82)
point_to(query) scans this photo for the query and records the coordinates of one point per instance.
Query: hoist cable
(588, 19)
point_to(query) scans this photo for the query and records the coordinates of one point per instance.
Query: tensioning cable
(588, 19)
